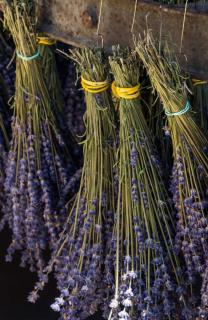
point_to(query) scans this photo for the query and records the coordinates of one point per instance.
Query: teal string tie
(29, 58)
(179, 113)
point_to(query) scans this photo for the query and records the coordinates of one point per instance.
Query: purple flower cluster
(34, 184)
(84, 273)
(137, 300)
(123, 268)
(84, 261)
(192, 225)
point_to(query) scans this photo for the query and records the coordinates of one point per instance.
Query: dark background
(15, 285)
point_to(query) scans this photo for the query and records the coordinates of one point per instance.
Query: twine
(29, 58)
(179, 113)
(126, 93)
(94, 87)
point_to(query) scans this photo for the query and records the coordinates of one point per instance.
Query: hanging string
(99, 22)
(183, 26)
(134, 16)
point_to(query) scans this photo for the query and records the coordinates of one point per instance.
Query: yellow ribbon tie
(94, 87)
(46, 41)
(126, 93)
(197, 82)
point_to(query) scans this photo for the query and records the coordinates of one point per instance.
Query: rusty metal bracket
(75, 22)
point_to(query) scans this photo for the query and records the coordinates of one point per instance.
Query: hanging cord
(134, 16)
(183, 26)
(94, 87)
(126, 93)
(197, 82)
(179, 113)
(99, 22)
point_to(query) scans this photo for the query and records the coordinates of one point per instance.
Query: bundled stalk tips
(80, 261)
(39, 165)
(148, 280)
(190, 170)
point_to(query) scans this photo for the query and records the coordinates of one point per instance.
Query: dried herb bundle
(80, 261)
(39, 165)
(148, 280)
(47, 53)
(47, 48)
(190, 170)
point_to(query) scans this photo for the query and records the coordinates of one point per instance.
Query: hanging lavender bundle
(80, 260)
(39, 165)
(189, 182)
(47, 53)
(200, 102)
(148, 280)
(47, 47)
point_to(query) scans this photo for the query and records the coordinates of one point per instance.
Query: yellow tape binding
(94, 87)
(197, 82)
(126, 93)
(46, 41)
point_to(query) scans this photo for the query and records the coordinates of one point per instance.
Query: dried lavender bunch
(47, 51)
(190, 170)
(47, 48)
(148, 279)
(80, 260)
(39, 165)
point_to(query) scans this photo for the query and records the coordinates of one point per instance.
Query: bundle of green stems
(189, 182)
(84, 244)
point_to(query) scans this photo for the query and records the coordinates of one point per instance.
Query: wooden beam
(75, 22)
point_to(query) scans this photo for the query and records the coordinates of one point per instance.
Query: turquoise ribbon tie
(29, 58)
(179, 113)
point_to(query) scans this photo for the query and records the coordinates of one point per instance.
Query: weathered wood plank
(75, 22)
